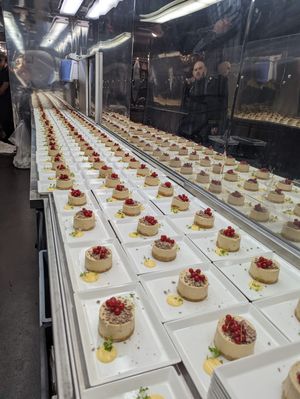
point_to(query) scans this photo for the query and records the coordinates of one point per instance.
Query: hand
(221, 26)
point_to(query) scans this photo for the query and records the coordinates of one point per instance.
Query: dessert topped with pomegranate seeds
(120, 192)
(98, 259)
(192, 285)
(181, 202)
(166, 189)
(164, 249)
(132, 207)
(76, 198)
(264, 270)
(228, 239)
(204, 218)
(148, 226)
(84, 220)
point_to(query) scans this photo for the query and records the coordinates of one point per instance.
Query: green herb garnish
(108, 345)
(214, 351)
(143, 393)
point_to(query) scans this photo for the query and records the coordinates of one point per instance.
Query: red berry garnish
(75, 193)
(168, 184)
(87, 213)
(229, 232)
(183, 198)
(208, 212)
(154, 174)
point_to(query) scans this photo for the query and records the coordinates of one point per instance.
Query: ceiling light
(56, 29)
(101, 7)
(13, 31)
(153, 34)
(176, 9)
(111, 43)
(70, 7)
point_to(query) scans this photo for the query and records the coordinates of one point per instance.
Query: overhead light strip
(70, 7)
(176, 9)
(56, 29)
(101, 7)
(111, 43)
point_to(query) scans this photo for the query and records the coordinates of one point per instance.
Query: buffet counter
(175, 344)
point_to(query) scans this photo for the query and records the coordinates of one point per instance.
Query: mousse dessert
(181, 202)
(192, 285)
(98, 259)
(166, 189)
(204, 218)
(215, 186)
(152, 179)
(251, 185)
(259, 213)
(229, 240)
(291, 230)
(202, 177)
(148, 226)
(120, 192)
(76, 198)
(236, 198)
(264, 270)
(164, 249)
(131, 207)
(84, 220)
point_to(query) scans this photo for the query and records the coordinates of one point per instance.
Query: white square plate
(221, 293)
(147, 349)
(187, 255)
(192, 337)
(114, 212)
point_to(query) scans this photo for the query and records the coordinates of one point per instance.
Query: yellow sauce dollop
(106, 356)
(120, 215)
(134, 234)
(68, 207)
(194, 227)
(221, 252)
(174, 300)
(89, 277)
(210, 364)
(149, 263)
(77, 233)
(155, 396)
(256, 285)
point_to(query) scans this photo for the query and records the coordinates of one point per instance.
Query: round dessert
(183, 151)
(104, 171)
(251, 185)
(192, 285)
(164, 249)
(93, 156)
(166, 189)
(175, 162)
(215, 186)
(209, 151)
(98, 163)
(205, 161)
(64, 182)
(291, 230)
(262, 173)
(217, 168)
(120, 192)
(152, 180)
(219, 156)
(98, 259)
(165, 157)
(174, 147)
(131, 207)
(194, 156)
(76, 198)
(157, 152)
(235, 337)
(143, 170)
(126, 157)
(285, 185)
(230, 175)
(264, 270)
(276, 196)
(62, 169)
(53, 150)
(236, 198)
(116, 319)
(291, 385)
(243, 167)
(297, 310)
(181, 202)
(204, 219)
(112, 180)
(148, 226)
(84, 220)
(186, 169)
(297, 210)
(134, 163)
(89, 151)
(259, 213)
(202, 177)
(229, 161)
(228, 240)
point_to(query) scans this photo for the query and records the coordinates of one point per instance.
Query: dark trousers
(7, 121)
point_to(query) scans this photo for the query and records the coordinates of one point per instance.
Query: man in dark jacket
(6, 114)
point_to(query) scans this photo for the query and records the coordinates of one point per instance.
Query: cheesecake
(291, 230)
(229, 161)
(264, 270)
(259, 213)
(84, 220)
(131, 207)
(98, 259)
(291, 385)
(285, 185)
(251, 185)
(296, 210)
(235, 337)
(192, 285)
(104, 171)
(164, 249)
(202, 177)
(183, 151)
(236, 198)
(166, 189)
(120, 192)
(116, 319)
(64, 182)
(205, 161)
(219, 157)
(98, 163)
(62, 169)
(186, 169)
(276, 196)
(133, 163)
(174, 147)
(231, 175)
(243, 167)
(204, 219)
(157, 152)
(215, 186)
(148, 226)
(263, 174)
(228, 240)
(152, 179)
(112, 180)
(143, 170)
(194, 156)
(297, 311)
(164, 157)
(217, 168)
(175, 162)
(126, 157)
(181, 202)
(76, 198)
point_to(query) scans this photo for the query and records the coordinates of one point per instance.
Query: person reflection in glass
(194, 123)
